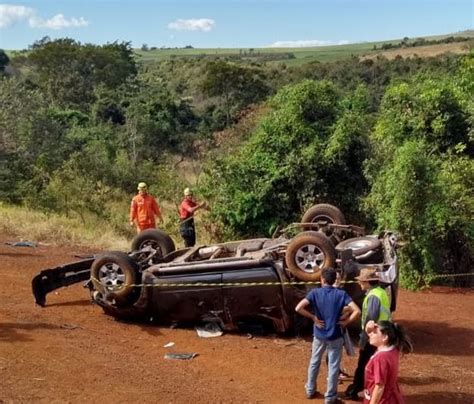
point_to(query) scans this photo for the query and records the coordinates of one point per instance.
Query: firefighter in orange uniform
(144, 209)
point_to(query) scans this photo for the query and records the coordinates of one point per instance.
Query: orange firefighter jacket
(143, 209)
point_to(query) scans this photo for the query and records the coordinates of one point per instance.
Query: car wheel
(329, 214)
(362, 247)
(114, 274)
(152, 243)
(308, 253)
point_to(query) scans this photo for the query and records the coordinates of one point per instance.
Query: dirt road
(71, 352)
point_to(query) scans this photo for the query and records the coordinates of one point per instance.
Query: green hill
(295, 56)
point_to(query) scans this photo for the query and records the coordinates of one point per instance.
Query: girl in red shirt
(381, 372)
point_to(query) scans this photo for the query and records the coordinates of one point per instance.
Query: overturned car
(232, 283)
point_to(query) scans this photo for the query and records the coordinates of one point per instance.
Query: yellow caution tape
(220, 284)
(217, 284)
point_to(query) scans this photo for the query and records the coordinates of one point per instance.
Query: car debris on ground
(22, 243)
(183, 356)
(209, 330)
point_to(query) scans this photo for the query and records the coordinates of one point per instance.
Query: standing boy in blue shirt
(327, 304)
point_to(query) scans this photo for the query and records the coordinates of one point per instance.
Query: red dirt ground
(71, 352)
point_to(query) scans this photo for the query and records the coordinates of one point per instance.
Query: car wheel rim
(150, 248)
(309, 258)
(111, 276)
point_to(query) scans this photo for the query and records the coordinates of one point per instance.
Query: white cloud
(305, 43)
(58, 22)
(10, 14)
(201, 24)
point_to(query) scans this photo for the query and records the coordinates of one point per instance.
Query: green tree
(68, 71)
(237, 86)
(421, 175)
(297, 156)
(157, 122)
(19, 108)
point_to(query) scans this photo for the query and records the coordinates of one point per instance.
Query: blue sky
(229, 23)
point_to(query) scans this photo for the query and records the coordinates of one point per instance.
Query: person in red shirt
(144, 209)
(186, 214)
(381, 372)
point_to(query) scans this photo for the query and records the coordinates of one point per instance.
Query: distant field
(301, 55)
(296, 56)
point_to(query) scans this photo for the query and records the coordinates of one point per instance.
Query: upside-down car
(232, 283)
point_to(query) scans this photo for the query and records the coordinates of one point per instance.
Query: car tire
(324, 212)
(155, 238)
(360, 246)
(114, 274)
(308, 253)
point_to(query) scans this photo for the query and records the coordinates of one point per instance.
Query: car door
(243, 299)
(183, 303)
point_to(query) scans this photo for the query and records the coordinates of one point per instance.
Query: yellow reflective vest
(384, 313)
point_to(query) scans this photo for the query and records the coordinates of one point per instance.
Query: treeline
(146, 48)
(390, 142)
(410, 43)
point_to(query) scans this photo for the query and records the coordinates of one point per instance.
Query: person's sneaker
(351, 394)
(311, 396)
(335, 401)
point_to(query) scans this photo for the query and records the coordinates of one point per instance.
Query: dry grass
(21, 223)
(458, 48)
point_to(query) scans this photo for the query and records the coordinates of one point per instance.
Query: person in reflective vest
(376, 307)
(143, 209)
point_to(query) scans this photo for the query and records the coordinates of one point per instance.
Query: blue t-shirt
(327, 304)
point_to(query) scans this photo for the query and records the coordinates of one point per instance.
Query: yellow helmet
(188, 191)
(142, 185)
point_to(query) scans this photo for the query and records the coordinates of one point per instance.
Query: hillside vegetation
(390, 141)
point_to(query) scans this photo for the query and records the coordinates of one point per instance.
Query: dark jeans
(364, 355)
(188, 232)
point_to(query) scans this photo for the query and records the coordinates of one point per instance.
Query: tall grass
(22, 223)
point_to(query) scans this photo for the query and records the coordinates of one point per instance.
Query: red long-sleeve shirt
(186, 208)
